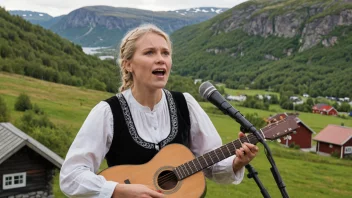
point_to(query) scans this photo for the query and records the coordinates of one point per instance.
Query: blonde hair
(128, 48)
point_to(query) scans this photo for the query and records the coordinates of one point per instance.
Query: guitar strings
(169, 176)
(212, 154)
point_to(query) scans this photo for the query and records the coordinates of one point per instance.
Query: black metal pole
(254, 174)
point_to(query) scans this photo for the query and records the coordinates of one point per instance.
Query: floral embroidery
(132, 128)
(173, 119)
(130, 124)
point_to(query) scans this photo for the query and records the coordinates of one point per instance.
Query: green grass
(64, 104)
(321, 176)
(305, 174)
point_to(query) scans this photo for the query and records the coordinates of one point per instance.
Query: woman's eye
(166, 53)
(148, 52)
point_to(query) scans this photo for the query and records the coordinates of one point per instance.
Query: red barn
(302, 136)
(334, 138)
(324, 109)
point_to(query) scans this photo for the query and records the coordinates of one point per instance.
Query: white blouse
(78, 172)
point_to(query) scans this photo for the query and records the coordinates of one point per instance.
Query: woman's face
(151, 62)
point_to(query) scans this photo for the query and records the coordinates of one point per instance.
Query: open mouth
(159, 72)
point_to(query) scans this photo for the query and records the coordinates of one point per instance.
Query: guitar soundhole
(167, 180)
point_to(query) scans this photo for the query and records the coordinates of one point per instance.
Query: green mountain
(285, 45)
(104, 26)
(31, 50)
(99, 26)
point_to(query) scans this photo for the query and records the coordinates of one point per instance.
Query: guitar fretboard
(271, 132)
(189, 168)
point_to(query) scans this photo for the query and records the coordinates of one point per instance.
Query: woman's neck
(147, 97)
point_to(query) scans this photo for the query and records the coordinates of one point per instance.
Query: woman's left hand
(244, 155)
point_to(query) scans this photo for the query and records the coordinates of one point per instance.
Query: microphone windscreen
(206, 89)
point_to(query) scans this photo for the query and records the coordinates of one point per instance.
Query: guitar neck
(271, 132)
(189, 168)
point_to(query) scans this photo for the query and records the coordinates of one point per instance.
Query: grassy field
(315, 121)
(305, 174)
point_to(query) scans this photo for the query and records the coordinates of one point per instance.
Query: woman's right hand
(135, 191)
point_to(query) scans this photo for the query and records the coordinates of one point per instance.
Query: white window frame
(348, 149)
(12, 176)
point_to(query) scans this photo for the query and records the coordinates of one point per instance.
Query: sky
(61, 7)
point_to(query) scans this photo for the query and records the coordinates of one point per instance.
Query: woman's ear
(127, 65)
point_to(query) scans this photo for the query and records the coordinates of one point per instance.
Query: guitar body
(177, 161)
(157, 173)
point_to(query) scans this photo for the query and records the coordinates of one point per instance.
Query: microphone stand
(253, 174)
(248, 127)
(208, 91)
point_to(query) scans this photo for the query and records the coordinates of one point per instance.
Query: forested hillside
(33, 51)
(299, 46)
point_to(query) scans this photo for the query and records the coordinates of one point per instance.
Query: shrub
(343, 116)
(297, 147)
(335, 154)
(39, 127)
(30, 120)
(291, 145)
(23, 103)
(56, 138)
(37, 110)
(256, 120)
(294, 146)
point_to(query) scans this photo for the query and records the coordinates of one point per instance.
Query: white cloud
(60, 7)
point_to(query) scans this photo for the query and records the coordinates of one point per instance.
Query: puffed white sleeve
(78, 176)
(205, 138)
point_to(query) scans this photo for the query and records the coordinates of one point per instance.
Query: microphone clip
(244, 130)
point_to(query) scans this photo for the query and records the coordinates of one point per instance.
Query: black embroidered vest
(128, 147)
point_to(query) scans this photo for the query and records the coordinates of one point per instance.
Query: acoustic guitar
(176, 172)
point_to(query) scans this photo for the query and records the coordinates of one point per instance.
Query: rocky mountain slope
(104, 25)
(298, 45)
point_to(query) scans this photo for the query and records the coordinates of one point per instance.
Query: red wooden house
(302, 136)
(334, 138)
(324, 109)
(27, 167)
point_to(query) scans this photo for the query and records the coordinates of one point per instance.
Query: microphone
(211, 94)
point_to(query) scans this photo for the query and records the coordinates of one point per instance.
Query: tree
(4, 112)
(344, 107)
(310, 102)
(23, 103)
(255, 120)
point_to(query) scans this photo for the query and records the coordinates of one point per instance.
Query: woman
(142, 119)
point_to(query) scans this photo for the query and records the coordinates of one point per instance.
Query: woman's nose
(160, 59)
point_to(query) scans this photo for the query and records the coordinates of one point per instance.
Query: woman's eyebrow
(155, 48)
